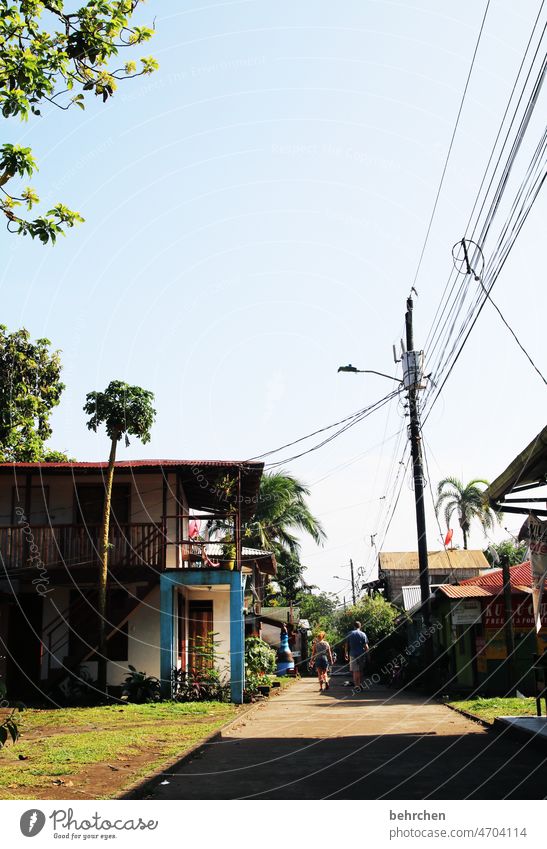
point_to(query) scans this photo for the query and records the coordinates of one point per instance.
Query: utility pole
(412, 370)
(352, 582)
(508, 624)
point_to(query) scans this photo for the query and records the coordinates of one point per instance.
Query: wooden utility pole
(508, 624)
(412, 379)
(352, 582)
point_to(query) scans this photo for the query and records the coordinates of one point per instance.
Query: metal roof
(452, 591)
(453, 558)
(529, 467)
(521, 576)
(201, 479)
(127, 464)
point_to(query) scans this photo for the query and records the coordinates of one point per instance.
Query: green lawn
(96, 752)
(489, 709)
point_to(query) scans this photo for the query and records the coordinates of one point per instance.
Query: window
(89, 502)
(39, 504)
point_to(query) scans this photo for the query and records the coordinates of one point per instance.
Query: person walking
(356, 652)
(321, 657)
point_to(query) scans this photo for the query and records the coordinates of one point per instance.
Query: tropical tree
(377, 616)
(467, 501)
(317, 607)
(281, 513)
(513, 552)
(124, 410)
(52, 56)
(30, 388)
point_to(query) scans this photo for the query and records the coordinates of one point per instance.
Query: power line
(460, 296)
(367, 412)
(309, 435)
(451, 144)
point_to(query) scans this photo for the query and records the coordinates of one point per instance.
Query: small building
(398, 569)
(471, 643)
(171, 584)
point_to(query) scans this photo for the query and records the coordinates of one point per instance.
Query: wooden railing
(47, 546)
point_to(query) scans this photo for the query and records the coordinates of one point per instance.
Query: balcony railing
(48, 546)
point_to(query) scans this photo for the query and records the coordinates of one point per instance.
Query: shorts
(356, 664)
(321, 662)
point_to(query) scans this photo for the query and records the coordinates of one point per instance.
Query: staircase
(78, 617)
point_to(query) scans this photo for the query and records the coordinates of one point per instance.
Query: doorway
(24, 647)
(200, 636)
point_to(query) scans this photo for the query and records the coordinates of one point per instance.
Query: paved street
(304, 744)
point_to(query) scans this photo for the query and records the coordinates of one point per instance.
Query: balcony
(131, 545)
(76, 546)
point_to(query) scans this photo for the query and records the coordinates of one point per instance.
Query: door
(24, 647)
(181, 630)
(200, 636)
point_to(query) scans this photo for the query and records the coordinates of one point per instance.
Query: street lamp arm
(354, 370)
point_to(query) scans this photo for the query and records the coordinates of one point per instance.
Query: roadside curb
(141, 786)
(468, 715)
(518, 732)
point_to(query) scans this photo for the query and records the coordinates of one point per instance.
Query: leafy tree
(376, 615)
(317, 607)
(467, 501)
(514, 553)
(49, 54)
(123, 409)
(30, 388)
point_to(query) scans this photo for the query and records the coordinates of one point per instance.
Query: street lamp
(354, 370)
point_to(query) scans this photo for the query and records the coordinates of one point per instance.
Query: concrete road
(303, 744)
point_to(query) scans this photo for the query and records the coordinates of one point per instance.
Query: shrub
(260, 658)
(199, 686)
(140, 688)
(8, 726)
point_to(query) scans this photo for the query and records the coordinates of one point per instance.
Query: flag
(193, 529)
(448, 537)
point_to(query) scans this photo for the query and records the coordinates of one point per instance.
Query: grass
(489, 709)
(99, 750)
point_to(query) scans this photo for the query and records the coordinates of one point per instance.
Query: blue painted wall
(169, 581)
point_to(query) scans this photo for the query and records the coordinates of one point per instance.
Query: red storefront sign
(523, 614)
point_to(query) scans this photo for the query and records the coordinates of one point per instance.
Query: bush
(199, 686)
(8, 726)
(140, 688)
(260, 658)
(376, 615)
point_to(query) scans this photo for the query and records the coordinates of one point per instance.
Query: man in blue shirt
(356, 650)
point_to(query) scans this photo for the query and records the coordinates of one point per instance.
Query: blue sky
(254, 216)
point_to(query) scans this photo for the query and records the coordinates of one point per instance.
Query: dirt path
(307, 745)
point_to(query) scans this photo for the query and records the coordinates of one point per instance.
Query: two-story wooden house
(170, 582)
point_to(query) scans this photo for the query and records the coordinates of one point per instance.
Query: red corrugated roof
(452, 591)
(521, 576)
(130, 464)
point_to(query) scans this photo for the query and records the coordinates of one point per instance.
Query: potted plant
(229, 551)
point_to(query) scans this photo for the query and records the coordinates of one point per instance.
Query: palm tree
(467, 500)
(281, 513)
(126, 410)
